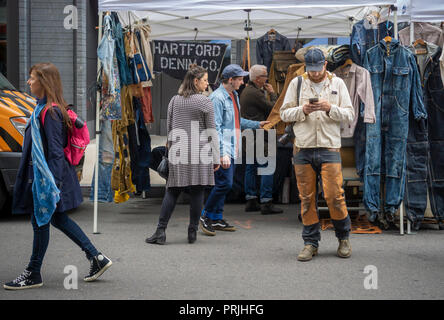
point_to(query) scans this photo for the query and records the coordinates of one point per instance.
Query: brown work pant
(309, 164)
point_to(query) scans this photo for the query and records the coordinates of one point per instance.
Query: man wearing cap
(317, 148)
(228, 125)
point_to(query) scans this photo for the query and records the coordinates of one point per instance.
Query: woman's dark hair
(187, 88)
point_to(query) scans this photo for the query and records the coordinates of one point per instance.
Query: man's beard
(317, 80)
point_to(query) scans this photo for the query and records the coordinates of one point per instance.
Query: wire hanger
(419, 41)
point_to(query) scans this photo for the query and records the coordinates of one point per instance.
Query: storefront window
(3, 37)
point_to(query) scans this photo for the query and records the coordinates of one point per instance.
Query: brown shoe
(307, 253)
(344, 249)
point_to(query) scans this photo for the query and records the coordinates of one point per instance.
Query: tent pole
(96, 171)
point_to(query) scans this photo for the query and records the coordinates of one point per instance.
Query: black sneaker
(99, 264)
(206, 226)
(222, 225)
(27, 280)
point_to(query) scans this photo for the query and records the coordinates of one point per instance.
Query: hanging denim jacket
(397, 91)
(364, 36)
(106, 53)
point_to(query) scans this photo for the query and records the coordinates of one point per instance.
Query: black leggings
(197, 194)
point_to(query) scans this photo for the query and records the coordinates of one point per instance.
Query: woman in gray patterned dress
(192, 159)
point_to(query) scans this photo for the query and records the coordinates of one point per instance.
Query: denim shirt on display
(364, 37)
(394, 73)
(225, 121)
(265, 48)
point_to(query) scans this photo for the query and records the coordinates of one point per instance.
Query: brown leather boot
(344, 249)
(307, 253)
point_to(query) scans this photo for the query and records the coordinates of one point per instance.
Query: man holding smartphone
(324, 102)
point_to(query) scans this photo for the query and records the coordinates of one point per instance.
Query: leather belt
(296, 149)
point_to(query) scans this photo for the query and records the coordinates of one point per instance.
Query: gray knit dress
(192, 148)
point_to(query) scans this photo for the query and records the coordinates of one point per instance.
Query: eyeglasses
(264, 75)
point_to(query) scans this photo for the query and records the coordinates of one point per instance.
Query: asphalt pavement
(258, 261)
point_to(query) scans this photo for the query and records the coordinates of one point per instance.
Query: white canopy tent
(184, 20)
(223, 19)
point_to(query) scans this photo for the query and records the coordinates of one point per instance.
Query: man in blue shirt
(228, 125)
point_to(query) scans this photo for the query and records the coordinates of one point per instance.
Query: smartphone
(313, 100)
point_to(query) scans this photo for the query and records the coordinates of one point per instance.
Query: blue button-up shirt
(224, 117)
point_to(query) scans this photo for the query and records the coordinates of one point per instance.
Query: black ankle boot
(158, 237)
(192, 235)
(269, 208)
(252, 205)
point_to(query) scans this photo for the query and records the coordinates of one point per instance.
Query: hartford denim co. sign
(175, 57)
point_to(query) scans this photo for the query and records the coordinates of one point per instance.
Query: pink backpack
(78, 137)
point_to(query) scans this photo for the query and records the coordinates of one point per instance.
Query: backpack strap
(298, 89)
(42, 117)
(43, 114)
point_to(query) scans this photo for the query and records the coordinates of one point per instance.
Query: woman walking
(191, 119)
(46, 185)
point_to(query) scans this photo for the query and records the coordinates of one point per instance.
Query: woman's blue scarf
(45, 193)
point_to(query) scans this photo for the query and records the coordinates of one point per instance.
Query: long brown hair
(187, 88)
(50, 80)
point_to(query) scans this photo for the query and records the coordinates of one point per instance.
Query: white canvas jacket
(318, 130)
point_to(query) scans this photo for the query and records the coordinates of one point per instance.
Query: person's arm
(210, 126)
(219, 118)
(169, 120)
(55, 139)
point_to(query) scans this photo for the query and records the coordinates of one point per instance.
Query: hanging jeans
(140, 150)
(309, 164)
(106, 160)
(61, 221)
(223, 181)
(359, 141)
(434, 101)
(415, 198)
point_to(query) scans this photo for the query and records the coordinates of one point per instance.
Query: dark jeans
(61, 221)
(416, 169)
(214, 206)
(197, 194)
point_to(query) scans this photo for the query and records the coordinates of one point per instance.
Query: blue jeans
(106, 160)
(61, 221)
(266, 191)
(223, 181)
